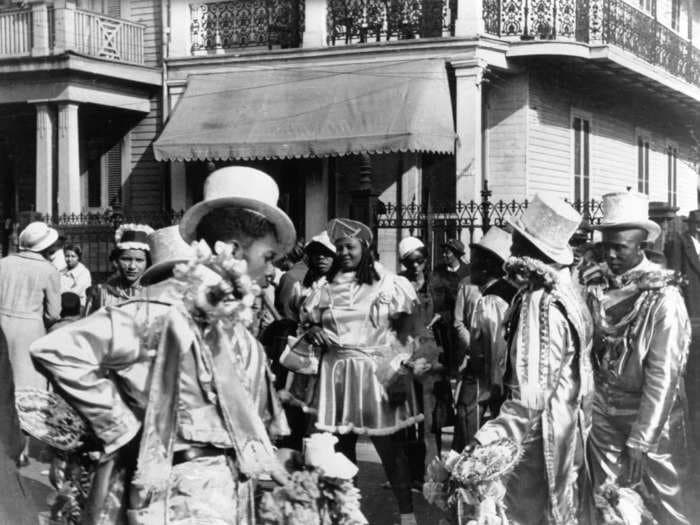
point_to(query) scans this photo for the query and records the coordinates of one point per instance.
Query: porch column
(45, 133)
(68, 158)
(470, 18)
(315, 24)
(178, 187)
(468, 152)
(316, 203)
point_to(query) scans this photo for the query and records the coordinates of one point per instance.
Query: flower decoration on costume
(526, 271)
(321, 493)
(469, 487)
(617, 505)
(216, 286)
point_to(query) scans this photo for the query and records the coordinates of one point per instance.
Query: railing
(218, 26)
(107, 37)
(360, 21)
(16, 32)
(28, 31)
(614, 22)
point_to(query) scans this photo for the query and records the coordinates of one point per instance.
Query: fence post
(485, 208)
(363, 201)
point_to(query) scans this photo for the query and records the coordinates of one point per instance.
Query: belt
(189, 454)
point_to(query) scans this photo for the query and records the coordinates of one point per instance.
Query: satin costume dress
(640, 350)
(548, 331)
(357, 319)
(205, 387)
(109, 293)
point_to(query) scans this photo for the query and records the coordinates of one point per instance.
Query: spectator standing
(30, 299)
(444, 284)
(75, 277)
(131, 257)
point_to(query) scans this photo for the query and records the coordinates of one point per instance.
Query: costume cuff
(487, 435)
(640, 445)
(120, 434)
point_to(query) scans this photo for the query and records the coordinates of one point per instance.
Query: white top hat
(628, 209)
(167, 249)
(548, 223)
(497, 241)
(37, 236)
(408, 245)
(322, 239)
(242, 187)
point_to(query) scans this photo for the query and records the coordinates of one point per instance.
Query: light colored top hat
(497, 241)
(409, 245)
(242, 187)
(322, 239)
(168, 248)
(548, 223)
(344, 228)
(628, 210)
(37, 236)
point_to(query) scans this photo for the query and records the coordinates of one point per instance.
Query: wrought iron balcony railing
(32, 31)
(359, 21)
(614, 22)
(218, 26)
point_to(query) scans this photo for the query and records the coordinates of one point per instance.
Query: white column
(468, 152)
(68, 159)
(40, 30)
(470, 18)
(315, 24)
(316, 205)
(180, 39)
(178, 186)
(45, 132)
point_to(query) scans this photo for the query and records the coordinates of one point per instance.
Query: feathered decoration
(132, 237)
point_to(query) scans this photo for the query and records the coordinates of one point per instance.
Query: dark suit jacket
(683, 258)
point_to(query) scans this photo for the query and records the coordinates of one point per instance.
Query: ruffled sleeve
(403, 296)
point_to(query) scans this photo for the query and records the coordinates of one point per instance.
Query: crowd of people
(572, 350)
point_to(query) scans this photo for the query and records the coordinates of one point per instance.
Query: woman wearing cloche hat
(204, 422)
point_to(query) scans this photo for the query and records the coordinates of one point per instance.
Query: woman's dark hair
(70, 304)
(238, 223)
(312, 275)
(365, 273)
(75, 249)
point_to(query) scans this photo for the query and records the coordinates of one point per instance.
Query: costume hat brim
(562, 255)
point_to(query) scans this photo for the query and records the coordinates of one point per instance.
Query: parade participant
(353, 318)
(131, 257)
(75, 277)
(548, 332)
(640, 347)
(481, 384)
(202, 419)
(444, 283)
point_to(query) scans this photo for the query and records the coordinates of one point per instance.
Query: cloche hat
(37, 236)
(243, 187)
(168, 248)
(627, 210)
(548, 223)
(322, 239)
(408, 245)
(496, 241)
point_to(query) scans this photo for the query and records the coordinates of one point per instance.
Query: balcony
(612, 22)
(43, 30)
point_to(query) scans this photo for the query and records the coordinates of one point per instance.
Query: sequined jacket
(642, 335)
(548, 374)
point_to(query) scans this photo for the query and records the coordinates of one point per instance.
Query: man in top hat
(481, 384)
(641, 342)
(195, 435)
(548, 333)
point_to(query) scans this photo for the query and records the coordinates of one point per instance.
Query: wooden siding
(507, 138)
(146, 184)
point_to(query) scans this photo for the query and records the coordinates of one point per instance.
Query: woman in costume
(131, 257)
(364, 385)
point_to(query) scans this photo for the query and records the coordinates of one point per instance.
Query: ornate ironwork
(359, 21)
(246, 23)
(615, 22)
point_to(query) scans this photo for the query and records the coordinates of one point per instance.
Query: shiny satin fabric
(639, 372)
(546, 422)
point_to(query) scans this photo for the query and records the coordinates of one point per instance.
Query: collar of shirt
(488, 284)
(31, 255)
(696, 244)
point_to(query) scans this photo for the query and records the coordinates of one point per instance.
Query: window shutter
(114, 174)
(114, 8)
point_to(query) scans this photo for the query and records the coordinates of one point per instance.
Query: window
(643, 165)
(676, 15)
(672, 163)
(648, 6)
(582, 159)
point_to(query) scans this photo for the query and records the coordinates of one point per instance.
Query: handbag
(300, 357)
